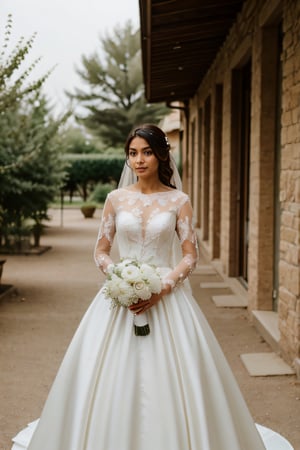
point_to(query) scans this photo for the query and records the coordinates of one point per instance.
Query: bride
(150, 376)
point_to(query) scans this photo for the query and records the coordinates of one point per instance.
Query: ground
(53, 292)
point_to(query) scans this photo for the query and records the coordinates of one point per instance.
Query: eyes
(146, 152)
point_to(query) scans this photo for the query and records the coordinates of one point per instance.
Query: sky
(66, 30)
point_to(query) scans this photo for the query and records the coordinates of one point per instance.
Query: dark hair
(160, 146)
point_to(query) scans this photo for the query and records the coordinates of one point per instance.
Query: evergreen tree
(115, 94)
(76, 141)
(14, 89)
(31, 169)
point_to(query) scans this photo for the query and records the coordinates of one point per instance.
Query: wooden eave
(180, 40)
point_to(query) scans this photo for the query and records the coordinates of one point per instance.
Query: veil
(127, 177)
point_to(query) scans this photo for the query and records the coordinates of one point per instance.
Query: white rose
(146, 271)
(131, 273)
(155, 284)
(127, 297)
(142, 290)
(112, 286)
(124, 287)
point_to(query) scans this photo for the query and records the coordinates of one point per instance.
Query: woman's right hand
(143, 305)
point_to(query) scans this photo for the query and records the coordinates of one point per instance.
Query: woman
(170, 389)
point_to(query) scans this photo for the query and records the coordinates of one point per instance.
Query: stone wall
(267, 33)
(289, 268)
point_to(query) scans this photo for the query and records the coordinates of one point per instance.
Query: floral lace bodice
(146, 226)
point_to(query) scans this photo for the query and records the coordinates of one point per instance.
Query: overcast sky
(66, 29)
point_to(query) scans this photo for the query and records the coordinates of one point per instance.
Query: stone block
(289, 235)
(287, 219)
(289, 277)
(292, 254)
(296, 115)
(285, 296)
(282, 311)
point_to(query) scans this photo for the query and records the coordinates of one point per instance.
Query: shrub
(100, 192)
(84, 171)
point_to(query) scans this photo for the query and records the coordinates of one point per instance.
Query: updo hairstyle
(160, 146)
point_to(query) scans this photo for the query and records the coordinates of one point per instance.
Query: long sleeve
(189, 247)
(105, 237)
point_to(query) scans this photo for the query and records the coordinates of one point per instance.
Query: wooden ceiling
(180, 40)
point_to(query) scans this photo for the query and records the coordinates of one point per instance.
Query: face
(142, 159)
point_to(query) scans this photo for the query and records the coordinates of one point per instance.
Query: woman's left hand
(143, 305)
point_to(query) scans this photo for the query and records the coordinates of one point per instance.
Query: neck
(149, 186)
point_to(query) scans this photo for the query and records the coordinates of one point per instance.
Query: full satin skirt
(170, 390)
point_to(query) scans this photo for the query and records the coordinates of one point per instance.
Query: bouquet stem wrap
(141, 326)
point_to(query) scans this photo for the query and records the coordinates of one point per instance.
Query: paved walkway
(55, 289)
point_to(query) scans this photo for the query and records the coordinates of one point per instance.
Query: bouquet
(130, 281)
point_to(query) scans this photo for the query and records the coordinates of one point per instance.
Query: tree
(27, 188)
(76, 141)
(13, 91)
(31, 167)
(13, 87)
(115, 94)
(85, 171)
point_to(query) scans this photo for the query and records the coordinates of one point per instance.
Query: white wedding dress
(170, 390)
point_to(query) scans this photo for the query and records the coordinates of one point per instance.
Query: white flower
(128, 282)
(142, 290)
(112, 286)
(152, 276)
(124, 263)
(131, 273)
(147, 271)
(126, 298)
(155, 284)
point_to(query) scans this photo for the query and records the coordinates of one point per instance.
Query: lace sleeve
(188, 240)
(105, 237)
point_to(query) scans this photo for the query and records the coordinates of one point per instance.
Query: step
(229, 301)
(266, 323)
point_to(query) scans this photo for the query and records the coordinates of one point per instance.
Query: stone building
(234, 66)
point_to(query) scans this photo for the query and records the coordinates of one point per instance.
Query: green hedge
(86, 170)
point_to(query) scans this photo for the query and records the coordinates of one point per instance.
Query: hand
(143, 305)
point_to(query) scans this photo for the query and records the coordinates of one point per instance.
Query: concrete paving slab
(265, 364)
(204, 270)
(229, 301)
(214, 285)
